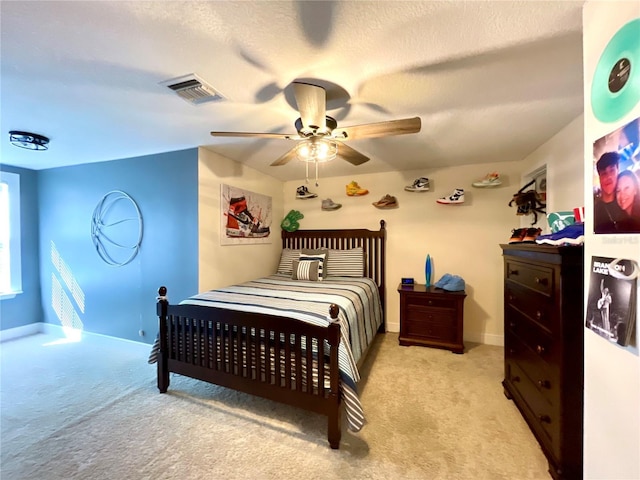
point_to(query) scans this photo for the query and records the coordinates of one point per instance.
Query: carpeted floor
(91, 410)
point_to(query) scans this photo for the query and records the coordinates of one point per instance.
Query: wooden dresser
(543, 362)
(431, 317)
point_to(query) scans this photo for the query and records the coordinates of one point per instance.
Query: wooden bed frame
(249, 352)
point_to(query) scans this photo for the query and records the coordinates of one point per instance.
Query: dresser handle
(430, 302)
(511, 298)
(512, 324)
(513, 272)
(541, 281)
(540, 349)
(544, 418)
(512, 351)
(538, 314)
(515, 379)
(544, 383)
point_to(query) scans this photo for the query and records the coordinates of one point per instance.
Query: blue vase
(427, 271)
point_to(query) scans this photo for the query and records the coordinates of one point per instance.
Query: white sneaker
(419, 185)
(456, 197)
(490, 180)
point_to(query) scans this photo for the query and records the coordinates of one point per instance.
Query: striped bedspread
(360, 315)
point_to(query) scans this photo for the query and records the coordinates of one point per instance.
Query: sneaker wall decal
(419, 185)
(354, 190)
(303, 192)
(489, 181)
(456, 198)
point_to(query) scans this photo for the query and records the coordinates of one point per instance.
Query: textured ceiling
(491, 80)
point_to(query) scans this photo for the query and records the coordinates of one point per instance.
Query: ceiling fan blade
(381, 129)
(312, 105)
(351, 155)
(285, 136)
(286, 158)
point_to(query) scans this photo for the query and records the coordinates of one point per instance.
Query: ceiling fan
(322, 140)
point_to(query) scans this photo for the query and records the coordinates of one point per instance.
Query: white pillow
(346, 263)
(286, 258)
(317, 257)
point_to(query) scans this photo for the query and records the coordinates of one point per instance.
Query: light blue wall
(119, 301)
(25, 308)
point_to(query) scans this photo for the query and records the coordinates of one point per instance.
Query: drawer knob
(511, 298)
(544, 418)
(540, 349)
(544, 383)
(513, 272)
(512, 324)
(512, 351)
(430, 302)
(538, 314)
(541, 281)
(515, 379)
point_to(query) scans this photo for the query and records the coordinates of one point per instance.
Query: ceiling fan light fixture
(317, 150)
(27, 140)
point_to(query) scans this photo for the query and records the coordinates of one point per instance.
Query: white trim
(55, 330)
(15, 258)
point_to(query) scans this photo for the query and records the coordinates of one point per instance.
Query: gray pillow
(306, 270)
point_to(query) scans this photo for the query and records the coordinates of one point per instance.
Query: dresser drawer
(538, 307)
(545, 377)
(542, 417)
(538, 278)
(533, 337)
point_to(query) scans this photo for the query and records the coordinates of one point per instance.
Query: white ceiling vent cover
(192, 89)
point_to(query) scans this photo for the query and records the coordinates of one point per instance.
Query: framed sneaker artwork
(245, 216)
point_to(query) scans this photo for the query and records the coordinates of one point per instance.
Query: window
(10, 267)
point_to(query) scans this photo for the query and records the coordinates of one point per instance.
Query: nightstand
(431, 317)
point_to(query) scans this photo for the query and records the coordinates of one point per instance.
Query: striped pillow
(346, 263)
(286, 258)
(319, 257)
(306, 270)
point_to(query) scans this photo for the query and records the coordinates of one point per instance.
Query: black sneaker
(303, 193)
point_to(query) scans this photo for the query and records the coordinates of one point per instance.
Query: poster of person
(616, 181)
(245, 216)
(611, 305)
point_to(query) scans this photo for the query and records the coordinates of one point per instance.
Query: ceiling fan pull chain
(306, 178)
(316, 173)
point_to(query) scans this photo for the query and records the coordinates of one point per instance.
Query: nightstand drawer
(538, 278)
(430, 324)
(430, 301)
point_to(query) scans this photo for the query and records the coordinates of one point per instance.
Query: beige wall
(222, 265)
(461, 239)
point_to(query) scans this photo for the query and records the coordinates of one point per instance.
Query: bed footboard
(278, 358)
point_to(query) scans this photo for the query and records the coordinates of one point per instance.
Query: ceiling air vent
(192, 89)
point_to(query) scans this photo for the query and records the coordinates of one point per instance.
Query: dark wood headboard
(372, 241)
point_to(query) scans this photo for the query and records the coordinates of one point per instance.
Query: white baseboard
(51, 329)
(477, 337)
(17, 332)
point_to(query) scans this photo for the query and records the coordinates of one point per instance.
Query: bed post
(334, 420)
(163, 368)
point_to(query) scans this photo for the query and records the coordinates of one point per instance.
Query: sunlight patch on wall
(67, 277)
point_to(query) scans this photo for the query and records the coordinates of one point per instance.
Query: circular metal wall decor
(116, 228)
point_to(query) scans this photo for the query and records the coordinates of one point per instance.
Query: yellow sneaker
(354, 190)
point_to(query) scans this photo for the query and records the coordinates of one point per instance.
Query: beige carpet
(91, 410)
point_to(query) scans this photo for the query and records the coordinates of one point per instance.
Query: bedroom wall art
(116, 228)
(245, 216)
